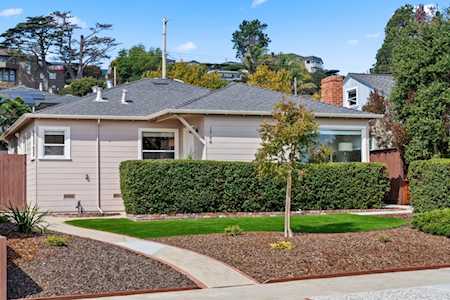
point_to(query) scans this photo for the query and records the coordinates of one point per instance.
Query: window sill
(54, 159)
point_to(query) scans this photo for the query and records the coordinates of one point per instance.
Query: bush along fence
(429, 182)
(187, 186)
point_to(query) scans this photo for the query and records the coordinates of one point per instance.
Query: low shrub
(282, 245)
(190, 186)
(233, 230)
(434, 222)
(56, 241)
(429, 182)
(28, 219)
(3, 219)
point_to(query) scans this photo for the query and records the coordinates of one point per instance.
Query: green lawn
(314, 224)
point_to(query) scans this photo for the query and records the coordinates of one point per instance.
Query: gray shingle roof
(242, 97)
(35, 97)
(146, 95)
(383, 83)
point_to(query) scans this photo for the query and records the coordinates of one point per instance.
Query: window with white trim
(54, 142)
(352, 97)
(158, 143)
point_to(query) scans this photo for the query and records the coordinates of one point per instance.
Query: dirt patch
(320, 254)
(84, 266)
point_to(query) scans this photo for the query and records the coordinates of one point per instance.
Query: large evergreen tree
(132, 63)
(421, 97)
(399, 20)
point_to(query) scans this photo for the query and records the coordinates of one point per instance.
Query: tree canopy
(132, 63)
(250, 42)
(83, 86)
(10, 111)
(401, 18)
(191, 73)
(421, 96)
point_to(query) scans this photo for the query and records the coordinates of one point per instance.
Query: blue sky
(345, 33)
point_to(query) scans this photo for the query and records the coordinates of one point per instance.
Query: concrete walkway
(428, 284)
(205, 271)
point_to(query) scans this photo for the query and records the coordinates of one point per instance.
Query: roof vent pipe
(99, 97)
(124, 96)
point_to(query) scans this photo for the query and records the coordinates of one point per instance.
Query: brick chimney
(332, 90)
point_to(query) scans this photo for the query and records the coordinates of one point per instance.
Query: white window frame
(364, 136)
(67, 146)
(176, 146)
(356, 97)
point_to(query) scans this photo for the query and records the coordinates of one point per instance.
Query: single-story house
(358, 86)
(74, 150)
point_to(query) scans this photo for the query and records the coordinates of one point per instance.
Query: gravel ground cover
(320, 254)
(84, 266)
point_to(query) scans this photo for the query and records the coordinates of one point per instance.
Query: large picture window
(54, 143)
(346, 145)
(158, 144)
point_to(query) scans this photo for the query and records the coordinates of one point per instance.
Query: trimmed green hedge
(434, 222)
(429, 183)
(189, 186)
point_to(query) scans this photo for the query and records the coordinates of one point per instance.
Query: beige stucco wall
(57, 185)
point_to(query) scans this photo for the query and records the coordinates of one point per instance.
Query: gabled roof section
(242, 97)
(145, 96)
(383, 83)
(36, 97)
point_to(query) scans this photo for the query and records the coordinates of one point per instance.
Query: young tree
(33, 38)
(193, 74)
(286, 143)
(399, 20)
(421, 96)
(78, 52)
(131, 64)
(250, 42)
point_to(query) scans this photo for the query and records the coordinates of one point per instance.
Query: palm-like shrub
(28, 219)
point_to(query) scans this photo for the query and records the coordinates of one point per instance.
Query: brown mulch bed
(320, 254)
(36, 269)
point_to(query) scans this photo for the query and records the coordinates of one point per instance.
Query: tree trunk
(80, 58)
(287, 208)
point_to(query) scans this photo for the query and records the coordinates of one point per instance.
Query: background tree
(421, 96)
(284, 144)
(79, 51)
(193, 74)
(33, 38)
(83, 86)
(250, 42)
(399, 20)
(280, 81)
(10, 111)
(131, 64)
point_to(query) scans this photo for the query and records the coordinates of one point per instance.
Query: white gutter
(99, 203)
(27, 116)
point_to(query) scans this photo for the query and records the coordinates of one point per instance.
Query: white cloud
(256, 3)
(11, 12)
(353, 42)
(373, 35)
(186, 47)
(77, 21)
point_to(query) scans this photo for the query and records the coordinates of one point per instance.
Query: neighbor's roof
(146, 96)
(35, 97)
(242, 97)
(383, 83)
(153, 98)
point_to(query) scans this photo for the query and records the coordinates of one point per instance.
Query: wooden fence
(3, 266)
(391, 158)
(12, 181)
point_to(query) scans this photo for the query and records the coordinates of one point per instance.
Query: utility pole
(295, 86)
(164, 49)
(115, 76)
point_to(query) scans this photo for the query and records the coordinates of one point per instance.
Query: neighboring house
(229, 75)
(357, 88)
(74, 150)
(24, 71)
(313, 63)
(35, 98)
